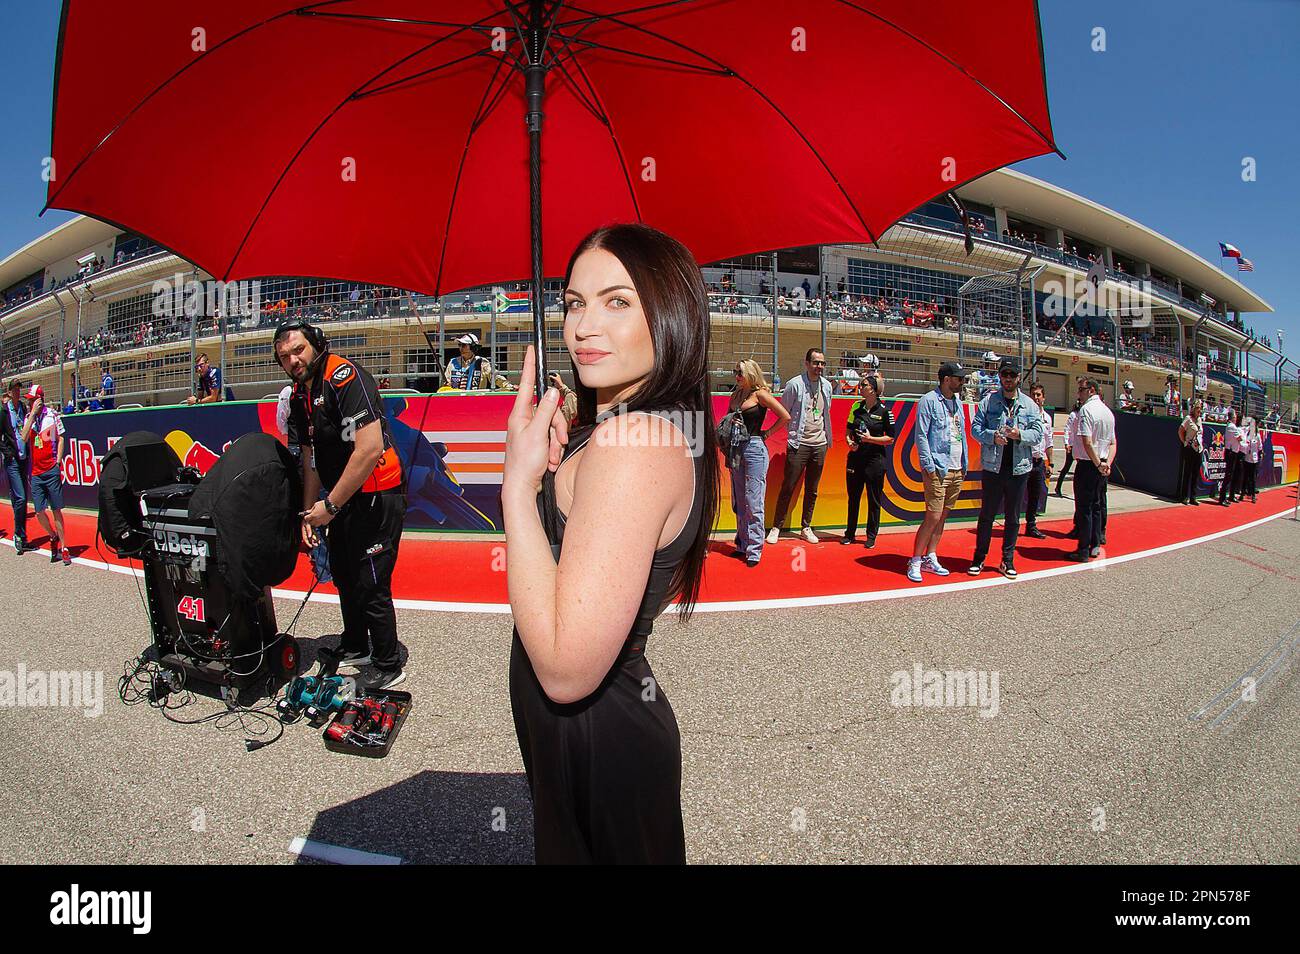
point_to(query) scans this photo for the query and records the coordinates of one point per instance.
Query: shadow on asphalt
(436, 818)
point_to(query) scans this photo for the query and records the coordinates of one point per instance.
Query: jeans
(808, 460)
(1036, 493)
(19, 472)
(748, 488)
(1089, 494)
(1000, 492)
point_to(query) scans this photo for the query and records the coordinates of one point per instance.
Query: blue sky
(1155, 127)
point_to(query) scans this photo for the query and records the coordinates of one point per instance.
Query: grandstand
(88, 293)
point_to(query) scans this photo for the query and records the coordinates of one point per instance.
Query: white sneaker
(931, 564)
(914, 570)
(773, 535)
(808, 535)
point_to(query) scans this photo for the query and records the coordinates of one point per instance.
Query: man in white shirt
(1094, 449)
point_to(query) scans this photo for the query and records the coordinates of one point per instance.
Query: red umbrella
(392, 141)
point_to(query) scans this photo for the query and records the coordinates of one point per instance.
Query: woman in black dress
(635, 484)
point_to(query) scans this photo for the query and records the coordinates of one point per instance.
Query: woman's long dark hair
(676, 306)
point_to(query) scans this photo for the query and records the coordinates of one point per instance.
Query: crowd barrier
(453, 446)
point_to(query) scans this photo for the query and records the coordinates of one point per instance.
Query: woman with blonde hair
(752, 397)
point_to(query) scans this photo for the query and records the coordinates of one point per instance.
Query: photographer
(337, 418)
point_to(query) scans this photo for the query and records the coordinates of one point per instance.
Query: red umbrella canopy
(384, 140)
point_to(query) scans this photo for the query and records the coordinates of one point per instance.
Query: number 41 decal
(191, 608)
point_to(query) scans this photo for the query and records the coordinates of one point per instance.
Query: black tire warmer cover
(252, 496)
(120, 521)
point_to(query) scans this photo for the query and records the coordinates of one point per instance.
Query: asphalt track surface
(792, 750)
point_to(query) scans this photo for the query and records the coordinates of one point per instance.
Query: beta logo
(185, 544)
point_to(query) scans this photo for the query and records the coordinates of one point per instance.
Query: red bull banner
(452, 447)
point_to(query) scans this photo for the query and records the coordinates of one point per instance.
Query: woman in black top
(870, 432)
(752, 396)
(636, 489)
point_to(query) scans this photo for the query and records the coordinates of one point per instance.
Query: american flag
(1244, 265)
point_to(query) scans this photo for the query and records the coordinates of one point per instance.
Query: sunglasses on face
(817, 364)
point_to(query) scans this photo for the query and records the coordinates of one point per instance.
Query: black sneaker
(1076, 556)
(346, 657)
(54, 551)
(374, 679)
(976, 568)
(20, 546)
(1007, 569)
(1035, 533)
(846, 540)
(870, 543)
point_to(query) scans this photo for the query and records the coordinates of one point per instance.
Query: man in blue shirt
(17, 461)
(209, 378)
(1007, 424)
(940, 436)
(106, 389)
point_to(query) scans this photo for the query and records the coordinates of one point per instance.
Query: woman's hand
(535, 436)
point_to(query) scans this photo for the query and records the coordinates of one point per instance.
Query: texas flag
(1229, 251)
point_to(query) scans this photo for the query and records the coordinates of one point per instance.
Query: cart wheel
(285, 657)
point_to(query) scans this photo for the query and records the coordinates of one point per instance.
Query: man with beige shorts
(940, 435)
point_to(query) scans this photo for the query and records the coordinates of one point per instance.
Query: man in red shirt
(43, 434)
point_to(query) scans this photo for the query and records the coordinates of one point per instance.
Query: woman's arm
(574, 618)
(778, 408)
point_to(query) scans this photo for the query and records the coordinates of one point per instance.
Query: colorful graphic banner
(453, 448)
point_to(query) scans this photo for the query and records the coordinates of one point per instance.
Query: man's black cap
(1009, 364)
(951, 368)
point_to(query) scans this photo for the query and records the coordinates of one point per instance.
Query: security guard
(337, 417)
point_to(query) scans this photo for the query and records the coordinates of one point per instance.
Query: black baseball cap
(951, 368)
(1009, 364)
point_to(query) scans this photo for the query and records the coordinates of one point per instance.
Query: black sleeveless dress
(605, 773)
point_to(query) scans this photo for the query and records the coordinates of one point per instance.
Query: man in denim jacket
(940, 435)
(1007, 425)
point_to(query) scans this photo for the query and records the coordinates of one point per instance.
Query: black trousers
(362, 542)
(1247, 485)
(1231, 464)
(1060, 478)
(1000, 492)
(1191, 474)
(1089, 500)
(1035, 493)
(865, 472)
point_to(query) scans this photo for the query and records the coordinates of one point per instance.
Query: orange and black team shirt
(342, 399)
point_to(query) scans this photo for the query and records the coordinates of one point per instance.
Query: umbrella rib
(592, 44)
(306, 142)
(957, 66)
(422, 73)
(790, 122)
(479, 116)
(168, 81)
(578, 92)
(613, 137)
(597, 17)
